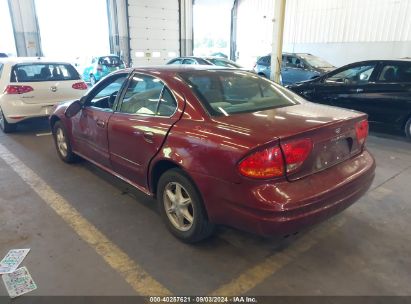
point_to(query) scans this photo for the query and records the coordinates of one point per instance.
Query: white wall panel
(329, 21)
(319, 26)
(154, 28)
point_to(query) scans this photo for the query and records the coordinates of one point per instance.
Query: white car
(30, 87)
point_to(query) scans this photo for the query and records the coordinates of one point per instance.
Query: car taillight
(296, 152)
(80, 86)
(266, 163)
(17, 89)
(361, 129)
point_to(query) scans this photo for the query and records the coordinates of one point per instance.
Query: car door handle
(357, 90)
(148, 137)
(100, 123)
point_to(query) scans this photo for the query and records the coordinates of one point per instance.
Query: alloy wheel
(178, 206)
(61, 142)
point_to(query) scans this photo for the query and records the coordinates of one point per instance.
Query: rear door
(388, 99)
(145, 113)
(51, 82)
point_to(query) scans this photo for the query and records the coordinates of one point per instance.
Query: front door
(91, 123)
(346, 87)
(293, 70)
(140, 125)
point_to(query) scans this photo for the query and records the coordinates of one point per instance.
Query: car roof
(18, 60)
(174, 69)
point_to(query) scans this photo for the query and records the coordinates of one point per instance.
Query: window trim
(120, 97)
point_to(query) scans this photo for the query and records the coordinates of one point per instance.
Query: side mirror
(73, 108)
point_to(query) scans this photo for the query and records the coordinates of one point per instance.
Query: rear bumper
(17, 111)
(286, 207)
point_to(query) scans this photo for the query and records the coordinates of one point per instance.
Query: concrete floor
(366, 250)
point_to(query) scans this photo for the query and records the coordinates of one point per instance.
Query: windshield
(316, 62)
(224, 63)
(36, 72)
(229, 92)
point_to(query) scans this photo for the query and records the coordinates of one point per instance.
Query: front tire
(408, 128)
(5, 126)
(62, 142)
(182, 208)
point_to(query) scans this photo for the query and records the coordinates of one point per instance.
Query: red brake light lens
(296, 152)
(80, 86)
(361, 129)
(263, 164)
(17, 89)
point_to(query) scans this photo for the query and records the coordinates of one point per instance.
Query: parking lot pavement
(351, 253)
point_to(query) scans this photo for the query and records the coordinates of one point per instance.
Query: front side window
(230, 92)
(37, 72)
(104, 95)
(147, 95)
(357, 75)
(189, 61)
(176, 61)
(292, 62)
(399, 72)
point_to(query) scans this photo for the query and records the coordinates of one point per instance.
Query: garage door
(154, 31)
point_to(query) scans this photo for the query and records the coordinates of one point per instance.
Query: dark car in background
(380, 88)
(3, 55)
(218, 61)
(295, 67)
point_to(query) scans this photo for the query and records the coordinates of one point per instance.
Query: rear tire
(408, 128)
(5, 126)
(62, 143)
(182, 208)
(93, 80)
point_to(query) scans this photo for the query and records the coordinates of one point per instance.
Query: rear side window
(142, 95)
(110, 61)
(37, 72)
(147, 95)
(230, 92)
(264, 60)
(396, 72)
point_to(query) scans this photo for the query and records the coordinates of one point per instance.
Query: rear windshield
(36, 72)
(110, 61)
(229, 92)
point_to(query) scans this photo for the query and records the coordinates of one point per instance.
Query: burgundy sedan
(219, 147)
